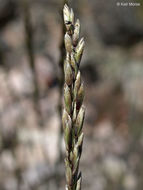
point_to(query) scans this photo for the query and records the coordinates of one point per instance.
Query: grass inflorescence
(74, 111)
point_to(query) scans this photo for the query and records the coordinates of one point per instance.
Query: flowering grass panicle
(74, 111)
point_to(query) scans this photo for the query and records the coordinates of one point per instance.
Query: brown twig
(30, 52)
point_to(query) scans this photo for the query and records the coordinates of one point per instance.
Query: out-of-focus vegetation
(112, 70)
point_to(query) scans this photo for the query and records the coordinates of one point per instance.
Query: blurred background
(31, 79)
